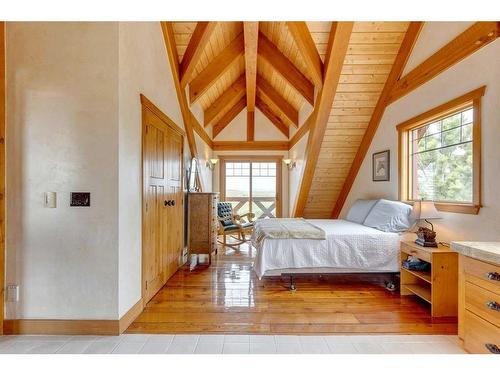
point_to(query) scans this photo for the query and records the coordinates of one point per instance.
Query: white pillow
(360, 210)
(390, 216)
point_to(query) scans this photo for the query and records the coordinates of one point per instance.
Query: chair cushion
(225, 209)
(235, 227)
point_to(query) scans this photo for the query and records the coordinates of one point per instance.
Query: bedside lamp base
(426, 237)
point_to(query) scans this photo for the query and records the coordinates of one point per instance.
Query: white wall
(62, 135)
(143, 69)
(481, 68)
(237, 129)
(296, 153)
(74, 124)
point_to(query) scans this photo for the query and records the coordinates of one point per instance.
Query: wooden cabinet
(437, 286)
(479, 305)
(202, 225)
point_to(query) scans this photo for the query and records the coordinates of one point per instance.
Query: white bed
(348, 248)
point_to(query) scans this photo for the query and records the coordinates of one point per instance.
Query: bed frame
(390, 283)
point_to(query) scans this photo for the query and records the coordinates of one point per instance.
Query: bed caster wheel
(390, 286)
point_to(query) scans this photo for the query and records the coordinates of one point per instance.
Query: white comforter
(349, 247)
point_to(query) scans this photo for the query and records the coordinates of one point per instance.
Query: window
(252, 184)
(439, 155)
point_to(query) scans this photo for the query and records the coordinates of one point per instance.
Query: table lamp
(426, 210)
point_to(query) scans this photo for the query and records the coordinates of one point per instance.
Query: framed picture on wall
(381, 165)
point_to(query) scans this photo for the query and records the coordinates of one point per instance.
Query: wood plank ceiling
(278, 68)
(372, 49)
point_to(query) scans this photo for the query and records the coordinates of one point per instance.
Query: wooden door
(175, 200)
(163, 203)
(155, 220)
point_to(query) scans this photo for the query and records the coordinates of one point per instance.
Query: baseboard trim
(72, 327)
(131, 315)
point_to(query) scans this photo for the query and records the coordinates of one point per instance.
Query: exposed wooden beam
(301, 132)
(273, 117)
(217, 67)
(255, 145)
(270, 53)
(226, 101)
(337, 46)
(250, 125)
(229, 116)
(201, 132)
(274, 98)
(404, 52)
(307, 48)
(465, 44)
(251, 36)
(173, 58)
(197, 43)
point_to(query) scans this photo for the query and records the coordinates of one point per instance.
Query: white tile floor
(230, 344)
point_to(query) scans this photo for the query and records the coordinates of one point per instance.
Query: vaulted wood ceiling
(345, 72)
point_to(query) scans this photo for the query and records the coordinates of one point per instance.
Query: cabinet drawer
(483, 303)
(488, 274)
(421, 254)
(479, 334)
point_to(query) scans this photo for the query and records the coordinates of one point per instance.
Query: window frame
(471, 99)
(252, 159)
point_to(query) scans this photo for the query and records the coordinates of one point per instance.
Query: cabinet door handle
(492, 348)
(167, 203)
(493, 305)
(495, 276)
(173, 202)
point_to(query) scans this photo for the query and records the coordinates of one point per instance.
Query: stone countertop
(485, 251)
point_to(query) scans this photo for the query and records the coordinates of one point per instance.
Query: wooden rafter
(272, 116)
(254, 145)
(468, 42)
(226, 101)
(229, 116)
(217, 67)
(251, 36)
(337, 47)
(307, 48)
(270, 53)
(201, 132)
(404, 52)
(274, 98)
(197, 44)
(250, 125)
(168, 36)
(301, 132)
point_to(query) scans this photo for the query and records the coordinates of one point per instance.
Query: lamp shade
(426, 210)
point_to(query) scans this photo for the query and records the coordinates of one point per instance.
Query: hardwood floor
(228, 298)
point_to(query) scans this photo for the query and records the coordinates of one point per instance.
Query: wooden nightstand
(439, 286)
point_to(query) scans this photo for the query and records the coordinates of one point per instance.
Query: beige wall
(62, 136)
(296, 153)
(74, 124)
(481, 68)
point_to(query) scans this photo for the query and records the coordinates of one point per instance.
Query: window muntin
(441, 159)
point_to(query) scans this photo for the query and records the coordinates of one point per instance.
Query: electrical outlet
(12, 293)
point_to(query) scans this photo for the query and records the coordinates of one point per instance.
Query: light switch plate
(50, 199)
(12, 293)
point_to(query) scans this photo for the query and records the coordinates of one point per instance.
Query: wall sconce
(290, 164)
(211, 163)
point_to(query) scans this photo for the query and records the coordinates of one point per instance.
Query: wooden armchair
(231, 224)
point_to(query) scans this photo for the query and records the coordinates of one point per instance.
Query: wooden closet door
(174, 194)
(155, 214)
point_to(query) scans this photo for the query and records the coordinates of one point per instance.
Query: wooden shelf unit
(439, 286)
